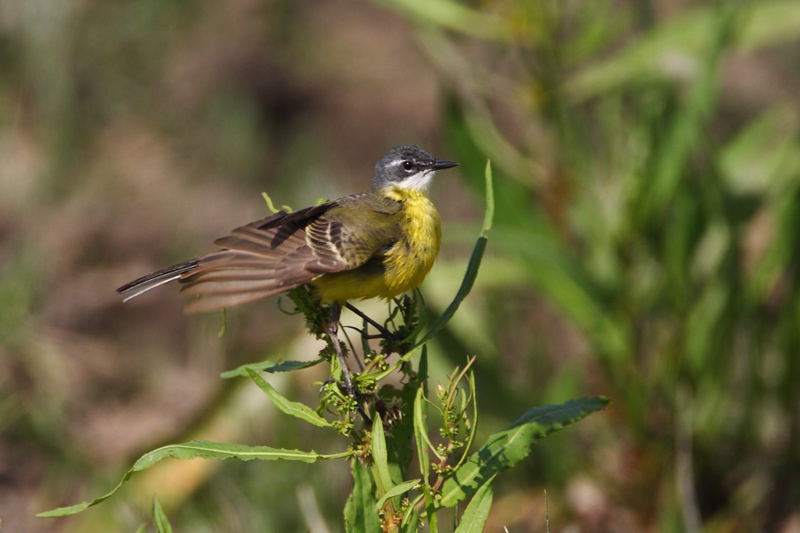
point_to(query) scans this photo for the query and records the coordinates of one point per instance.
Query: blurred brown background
(133, 134)
(645, 247)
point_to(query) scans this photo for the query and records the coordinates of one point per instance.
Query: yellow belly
(401, 268)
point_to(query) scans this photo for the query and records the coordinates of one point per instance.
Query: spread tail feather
(156, 279)
(258, 260)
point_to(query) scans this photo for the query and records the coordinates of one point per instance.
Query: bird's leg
(385, 333)
(333, 328)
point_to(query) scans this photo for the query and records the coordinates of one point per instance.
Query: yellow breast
(401, 268)
(411, 258)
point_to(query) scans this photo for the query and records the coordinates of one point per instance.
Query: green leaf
(378, 376)
(451, 15)
(684, 132)
(270, 366)
(380, 457)
(400, 446)
(488, 216)
(205, 450)
(397, 490)
(656, 53)
(359, 516)
(474, 518)
(421, 434)
(764, 156)
(430, 509)
(556, 272)
(474, 426)
(160, 518)
(296, 409)
(769, 23)
(222, 450)
(472, 267)
(410, 523)
(510, 446)
(463, 291)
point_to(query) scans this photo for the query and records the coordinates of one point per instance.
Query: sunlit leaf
(421, 433)
(269, 366)
(397, 490)
(510, 446)
(160, 518)
(764, 156)
(296, 409)
(451, 15)
(203, 450)
(359, 514)
(380, 457)
(474, 518)
(472, 267)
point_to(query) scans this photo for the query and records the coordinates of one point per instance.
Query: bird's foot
(392, 340)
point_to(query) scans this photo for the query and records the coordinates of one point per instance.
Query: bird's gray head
(407, 167)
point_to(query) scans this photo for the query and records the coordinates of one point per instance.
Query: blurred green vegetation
(646, 243)
(652, 199)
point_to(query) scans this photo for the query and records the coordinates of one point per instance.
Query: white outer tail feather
(150, 287)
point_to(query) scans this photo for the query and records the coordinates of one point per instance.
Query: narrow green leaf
(451, 15)
(378, 376)
(380, 457)
(474, 518)
(401, 444)
(422, 371)
(430, 509)
(411, 516)
(410, 523)
(472, 267)
(73, 509)
(769, 23)
(682, 136)
(397, 490)
(160, 518)
(269, 366)
(463, 291)
(687, 36)
(764, 156)
(474, 427)
(358, 512)
(222, 450)
(561, 277)
(510, 446)
(296, 409)
(488, 217)
(204, 450)
(421, 434)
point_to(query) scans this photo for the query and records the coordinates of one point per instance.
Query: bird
(378, 243)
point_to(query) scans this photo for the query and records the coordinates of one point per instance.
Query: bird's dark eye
(408, 165)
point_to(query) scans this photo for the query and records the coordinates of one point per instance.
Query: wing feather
(280, 252)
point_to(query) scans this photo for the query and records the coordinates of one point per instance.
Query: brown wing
(280, 252)
(262, 259)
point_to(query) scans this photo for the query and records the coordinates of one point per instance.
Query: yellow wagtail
(377, 243)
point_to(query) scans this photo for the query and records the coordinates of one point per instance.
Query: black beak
(440, 165)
